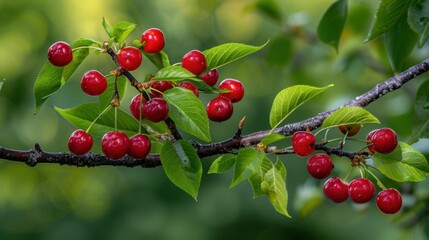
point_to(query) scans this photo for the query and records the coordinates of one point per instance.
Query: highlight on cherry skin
(93, 83)
(383, 140)
(303, 143)
(153, 40)
(80, 142)
(130, 58)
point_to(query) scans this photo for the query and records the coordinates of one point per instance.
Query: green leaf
(173, 73)
(1, 83)
(226, 53)
(332, 23)
(290, 99)
(272, 138)
(274, 186)
(107, 27)
(52, 78)
(256, 179)
(83, 115)
(222, 164)
(388, 12)
(247, 163)
(106, 97)
(421, 113)
(182, 166)
(188, 112)
(281, 168)
(121, 30)
(160, 60)
(400, 41)
(347, 116)
(204, 87)
(418, 18)
(404, 164)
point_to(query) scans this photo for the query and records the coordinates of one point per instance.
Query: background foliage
(57, 202)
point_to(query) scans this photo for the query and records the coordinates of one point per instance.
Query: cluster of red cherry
(360, 190)
(116, 144)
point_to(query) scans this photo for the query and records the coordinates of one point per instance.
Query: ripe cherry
(303, 143)
(384, 140)
(361, 190)
(219, 109)
(80, 142)
(138, 113)
(114, 144)
(139, 146)
(211, 77)
(158, 87)
(153, 39)
(194, 61)
(190, 86)
(336, 190)
(319, 165)
(389, 201)
(156, 109)
(129, 58)
(350, 130)
(60, 54)
(235, 87)
(93, 83)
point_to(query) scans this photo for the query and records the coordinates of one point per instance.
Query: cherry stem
(140, 113)
(379, 183)
(99, 115)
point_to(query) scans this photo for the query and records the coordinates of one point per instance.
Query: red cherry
(190, 86)
(93, 83)
(129, 58)
(80, 142)
(114, 144)
(303, 143)
(350, 130)
(389, 201)
(139, 146)
(336, 190)
(361, 190)
(319, 165)
(210, 77)
(219, 109)
(154, 40)
(60, 54)
(156, 110)
(235, 87)
(138, 113)
(384, 140)
(158, 87)
(194, 61)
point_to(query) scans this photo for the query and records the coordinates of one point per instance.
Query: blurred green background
(62, 202)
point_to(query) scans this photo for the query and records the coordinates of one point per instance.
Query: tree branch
(32, 157)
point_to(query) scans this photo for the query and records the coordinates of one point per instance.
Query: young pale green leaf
(222, 164)
(418, 18)
(226, 53)
(404, 164)
(388, 12)
(247, 163)
(182, 166)
(281, 168)
(274, 186)
(272, 138)
(289, 99)
(121, 30)
(83, 115)
(421, 113)
(256, 179)
(173, 73)
(106, 97)
(52, 78)
(347, 116)
(188, 112)
(400, 40)
(107, 27)
(332, 23)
